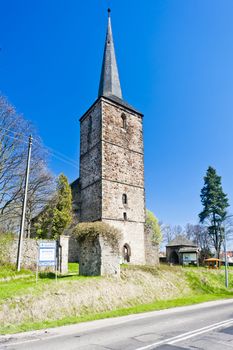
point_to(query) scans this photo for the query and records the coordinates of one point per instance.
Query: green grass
(73, 268)
(156, 305)
(14, 283)
(205, 285)
(9, 271)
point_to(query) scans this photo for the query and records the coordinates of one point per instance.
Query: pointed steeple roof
(109, 79)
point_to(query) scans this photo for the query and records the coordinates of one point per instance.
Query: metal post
(24, 205)
(226, 262)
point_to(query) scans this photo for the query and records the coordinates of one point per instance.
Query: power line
(64, 160)
(56, 154)
(14, 132)
(15, 138)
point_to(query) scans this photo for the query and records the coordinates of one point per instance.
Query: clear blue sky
(175, 59)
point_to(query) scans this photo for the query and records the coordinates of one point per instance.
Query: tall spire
(109, 79)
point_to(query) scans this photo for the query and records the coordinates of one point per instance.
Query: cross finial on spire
(109, 80)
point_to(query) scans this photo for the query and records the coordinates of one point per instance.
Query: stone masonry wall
(122, 165)
(30, 253)
(97, 257)
(90, 258)
(90, 129)
(123, 173)
(113, 206)
(133, 235)
(91, 203)
(112, 164)
(151, 249)
(110, 261)
(90, 165)
(130, 138)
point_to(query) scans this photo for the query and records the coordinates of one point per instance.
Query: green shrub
(153, 224)
(6, 240)
(91, 230)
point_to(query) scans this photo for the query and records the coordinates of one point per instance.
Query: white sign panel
(190, 257)
(47, 253)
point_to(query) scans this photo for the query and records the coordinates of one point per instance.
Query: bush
(91, 230)
(153, 224)
(6, 240)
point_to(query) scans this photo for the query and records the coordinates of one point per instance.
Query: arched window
(123, 121)
(126, 252)
(124, 198)
(125, 216)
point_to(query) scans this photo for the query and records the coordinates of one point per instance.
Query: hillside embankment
(25, 304)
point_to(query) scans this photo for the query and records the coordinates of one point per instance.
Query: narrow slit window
(123, 120)
(124, 216)
(89, 130)
(124, 198)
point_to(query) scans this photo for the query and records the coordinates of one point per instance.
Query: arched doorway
(174, 258)
(126, 253)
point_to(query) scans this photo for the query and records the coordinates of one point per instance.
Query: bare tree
(228, 227)
(14, 131)
(199, 234)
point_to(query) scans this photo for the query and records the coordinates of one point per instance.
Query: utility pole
(24, 205)
(226, 262)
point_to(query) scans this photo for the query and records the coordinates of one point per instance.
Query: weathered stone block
(98, 257)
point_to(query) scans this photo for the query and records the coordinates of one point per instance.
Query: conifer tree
(57, 215)
(62, 211)
(214, 202)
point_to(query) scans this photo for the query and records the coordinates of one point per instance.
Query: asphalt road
(206, 326)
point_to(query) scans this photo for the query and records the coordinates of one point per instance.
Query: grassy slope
(25, 305)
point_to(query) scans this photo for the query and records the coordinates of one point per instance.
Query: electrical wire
(56, 154)
(15, 138)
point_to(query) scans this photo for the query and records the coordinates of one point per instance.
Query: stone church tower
(111, 183)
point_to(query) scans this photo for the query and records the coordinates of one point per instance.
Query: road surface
(207, 326)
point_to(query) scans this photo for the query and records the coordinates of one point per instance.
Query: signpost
(47, 255)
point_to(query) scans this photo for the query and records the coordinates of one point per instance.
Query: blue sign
(47, 253)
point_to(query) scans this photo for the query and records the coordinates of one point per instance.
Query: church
(110, 187)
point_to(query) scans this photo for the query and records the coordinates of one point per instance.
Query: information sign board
(47, 253)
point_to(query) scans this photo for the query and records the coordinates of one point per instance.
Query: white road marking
(18, 343)
(188, 335)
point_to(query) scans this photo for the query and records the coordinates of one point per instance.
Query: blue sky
(175, 59)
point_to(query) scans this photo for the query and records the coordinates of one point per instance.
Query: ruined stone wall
(30, 253)
(110, 261)
(90, 257)
(73, 250)
(151, 248)
(97, 257)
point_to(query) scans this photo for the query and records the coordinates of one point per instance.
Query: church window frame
(123, 121)
(124, 216)
(124, 199)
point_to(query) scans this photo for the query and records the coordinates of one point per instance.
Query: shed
(182, 251)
